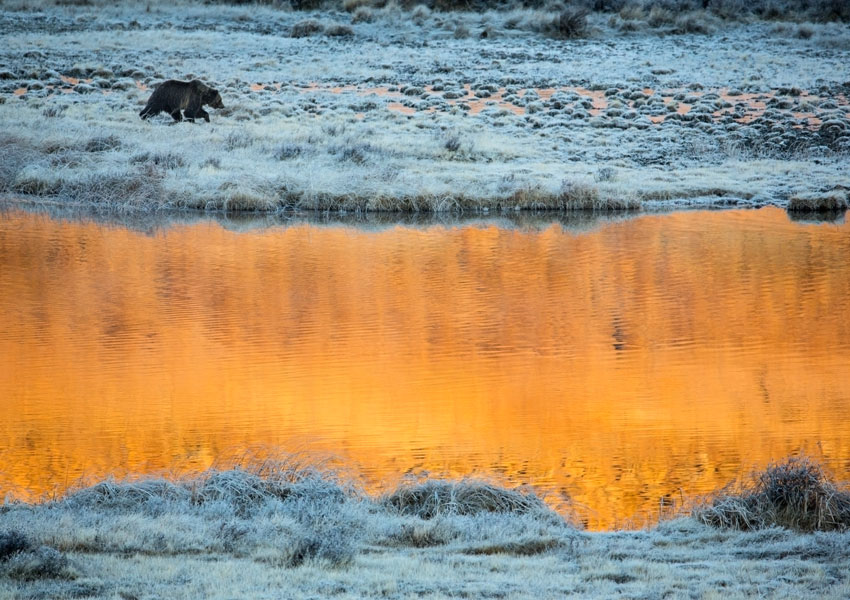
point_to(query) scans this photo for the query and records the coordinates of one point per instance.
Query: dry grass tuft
(835, 200)
(243, 484)
(578, 195)
(524, 547)
(796, 494)
(111, 494)
(139, 188)
(37, 564)
(17, 156)
(466, 497)
(569, 23)
(339, 30)
(306, 28)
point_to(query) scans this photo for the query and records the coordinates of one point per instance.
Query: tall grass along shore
(366, 105)
(287, 528)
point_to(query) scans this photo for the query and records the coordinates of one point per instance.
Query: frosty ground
(279, 532)
(384, 109)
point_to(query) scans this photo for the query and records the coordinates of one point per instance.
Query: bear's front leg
(194, 110)
(176, 115)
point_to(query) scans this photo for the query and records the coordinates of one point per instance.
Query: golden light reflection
(648, 360)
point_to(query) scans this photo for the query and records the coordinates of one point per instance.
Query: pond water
(626, 367)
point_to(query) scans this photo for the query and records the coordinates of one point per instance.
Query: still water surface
(637, 363)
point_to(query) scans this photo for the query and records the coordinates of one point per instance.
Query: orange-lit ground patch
(753, 106)
(401, 108)
(625, 367)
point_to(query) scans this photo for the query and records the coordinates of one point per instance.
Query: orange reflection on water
(648, 359)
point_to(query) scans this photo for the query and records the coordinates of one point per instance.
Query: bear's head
(212, 98)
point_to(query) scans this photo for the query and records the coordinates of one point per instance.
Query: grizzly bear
(173, 96)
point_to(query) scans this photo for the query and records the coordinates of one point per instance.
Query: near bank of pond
(625, 368)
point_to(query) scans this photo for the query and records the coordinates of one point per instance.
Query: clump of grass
(339, 30)
(522, 547)
(286, 510)
(831, 201)
(694, 22)
(796, 494)
(569, 23)
(36, 180)
(605, 174)
(289, 151)
(424, 534)
(129, 496)
(461, 31)
(238, 139)
(452, 143)
(433, 498)
(40, 563)
(659, 16)
(363, 14)
(54, 111)
(334, 545)
(166, 160)
(357, 153)
(306, 28)
(578, 195)
(103, 143)
(420, 14)
(141, 188)
(17, 156)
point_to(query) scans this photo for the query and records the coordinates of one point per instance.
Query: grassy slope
(325, 150)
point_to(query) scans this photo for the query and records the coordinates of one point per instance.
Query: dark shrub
(12, 542)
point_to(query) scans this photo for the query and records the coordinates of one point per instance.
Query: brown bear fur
(173, 96)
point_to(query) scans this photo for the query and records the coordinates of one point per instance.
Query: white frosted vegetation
(300, 143)
(288, 529)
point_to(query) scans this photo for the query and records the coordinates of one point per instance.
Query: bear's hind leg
(175, 114)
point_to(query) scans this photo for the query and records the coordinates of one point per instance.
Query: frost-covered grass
(292, 529)
(796, 494)
(358, 110)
